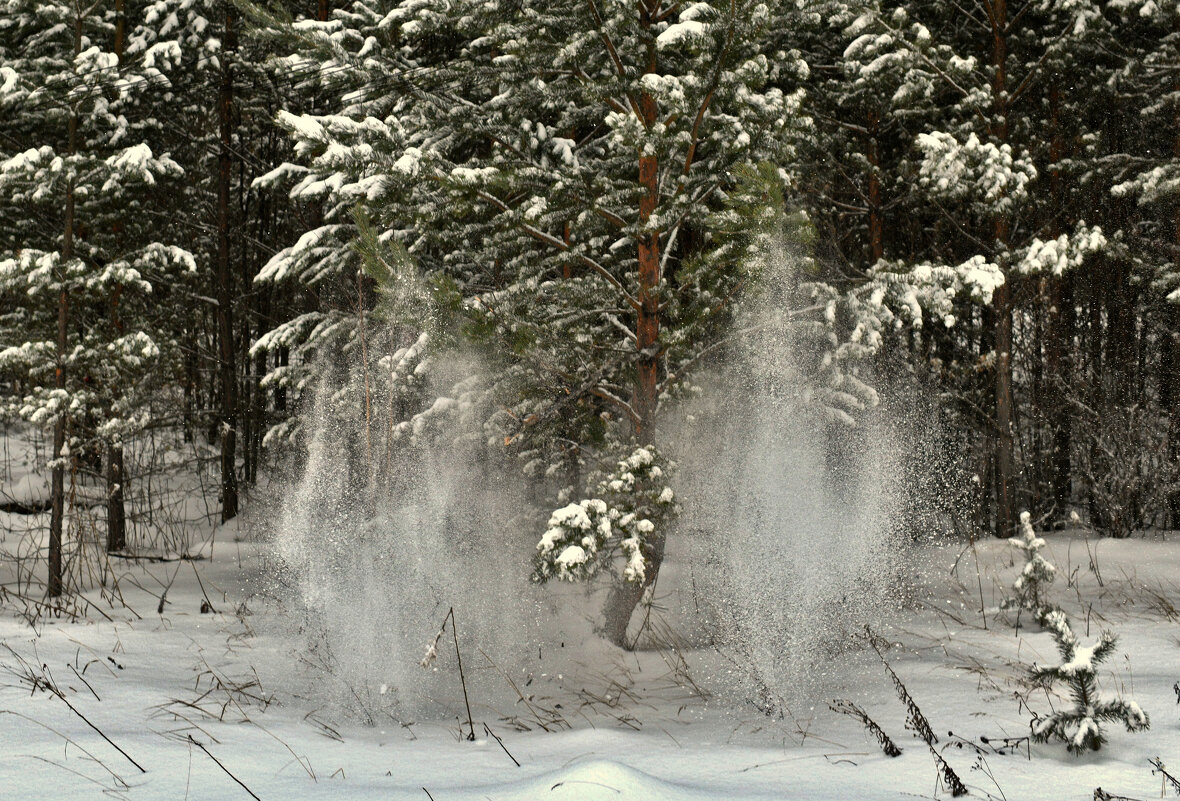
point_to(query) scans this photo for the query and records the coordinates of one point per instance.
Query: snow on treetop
(304, 126)
(9, 80)
(570, 557)
(1087, 728)
(1056, 622)
(410, 162)
(573, 516)
(166, 54)
(1136, 713)
(685, 29)
(1083, 660)
(640, 458)
(636, 567)
(138, 162)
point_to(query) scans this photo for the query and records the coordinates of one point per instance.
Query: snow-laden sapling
(621, 531)
(585, 537)
(1028, 591)
(1080, 726)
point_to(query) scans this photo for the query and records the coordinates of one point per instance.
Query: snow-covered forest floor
(195, 686)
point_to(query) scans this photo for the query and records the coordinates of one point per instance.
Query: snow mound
(27, 490)
(599, 780)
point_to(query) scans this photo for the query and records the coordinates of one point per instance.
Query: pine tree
(1147, 169)
(977, 162)
(217, 113)
(1029, 588)
(1080, 727)
(560, 174)
(76, 166)
(583, 538)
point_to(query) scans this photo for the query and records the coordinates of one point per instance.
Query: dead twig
(850, 709)
(1157, 766)
(432, 654)
(86, 720)
(208, 607)
(200, 745)
(496, 737)
(918, 722)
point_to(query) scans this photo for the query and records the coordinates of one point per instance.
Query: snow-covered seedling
(586, 536)
(1080, 727)
(1028, 591)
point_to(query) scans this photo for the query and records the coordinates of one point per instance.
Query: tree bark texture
(624, 596)
(225, 321)
(1005, 463)
(54, 583)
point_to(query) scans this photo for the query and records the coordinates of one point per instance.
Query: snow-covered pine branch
(1080, 725)
(615, 531)
(1028, 590)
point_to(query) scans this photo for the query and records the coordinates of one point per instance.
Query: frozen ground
(183, 699)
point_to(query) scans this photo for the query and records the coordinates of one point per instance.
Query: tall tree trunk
(225, 322)
(1059, 344)
(282, 359)
(120, 29)
(876, 223)
(625, 595)
(57, 498)
(1170, 359)
(57, 485)
(1005, 441)
(1002, 299)
(190, 382)
(116, 510)
(1120, 332)
(647, 328)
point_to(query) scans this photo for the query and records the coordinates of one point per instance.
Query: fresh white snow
(624, 726)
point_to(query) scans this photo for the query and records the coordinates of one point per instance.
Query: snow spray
(374, 551)
(788, 488)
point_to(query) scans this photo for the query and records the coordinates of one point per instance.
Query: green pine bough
(1028, 591)
(1080, 726)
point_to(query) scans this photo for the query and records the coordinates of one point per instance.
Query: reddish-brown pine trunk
(625, 596)
(647, 327)
(120, 29)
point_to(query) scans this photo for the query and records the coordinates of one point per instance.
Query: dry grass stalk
(845, 707)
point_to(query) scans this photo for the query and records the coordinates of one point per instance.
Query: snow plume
(386, 531)
(786, 504)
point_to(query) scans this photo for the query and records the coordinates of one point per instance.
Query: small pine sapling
(1029, 587)
(1080, 727)
(584, 537)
